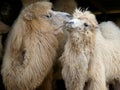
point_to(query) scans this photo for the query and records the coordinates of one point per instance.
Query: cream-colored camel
(32, 48)
(92, 53)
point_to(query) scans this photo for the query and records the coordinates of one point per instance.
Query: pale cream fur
(92, 53)
(31, 49)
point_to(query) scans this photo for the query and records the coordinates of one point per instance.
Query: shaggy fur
(31, 48)
(92, 53)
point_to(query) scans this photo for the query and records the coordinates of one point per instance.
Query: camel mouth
(68, 25)
(59, 19)
(75, 24)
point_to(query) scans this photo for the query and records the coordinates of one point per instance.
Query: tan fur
(31, 49)
(89, 56)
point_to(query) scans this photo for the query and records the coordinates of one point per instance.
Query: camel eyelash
(48, 16)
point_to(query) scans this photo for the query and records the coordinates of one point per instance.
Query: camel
(92, 53)
(31, 48)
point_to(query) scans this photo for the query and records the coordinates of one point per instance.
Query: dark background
(104, 9)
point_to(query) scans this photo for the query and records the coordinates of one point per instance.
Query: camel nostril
(69, 16)
(68, 22)
(71, 22)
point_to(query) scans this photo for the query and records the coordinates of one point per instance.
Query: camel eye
(86, 25)
(48, 16)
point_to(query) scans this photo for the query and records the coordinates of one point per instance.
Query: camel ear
(29, 16)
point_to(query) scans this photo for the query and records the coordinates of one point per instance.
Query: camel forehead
(85, 15)
(42, 5)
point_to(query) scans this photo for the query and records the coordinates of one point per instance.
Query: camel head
(82, 26)
(42, 17)
(82, 22)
